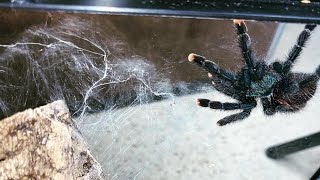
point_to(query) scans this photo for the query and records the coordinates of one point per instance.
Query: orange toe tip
(306, 1)
(197, 102)
(191, 57)
(237, 21)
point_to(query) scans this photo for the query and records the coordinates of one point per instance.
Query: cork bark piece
(43, 143)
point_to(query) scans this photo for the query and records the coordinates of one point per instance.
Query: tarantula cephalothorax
(279, 89)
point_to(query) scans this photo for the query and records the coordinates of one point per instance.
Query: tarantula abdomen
(293, 95)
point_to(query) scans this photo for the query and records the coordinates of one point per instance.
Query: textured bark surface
(44, 144)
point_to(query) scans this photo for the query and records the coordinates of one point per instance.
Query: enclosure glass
(131, 91)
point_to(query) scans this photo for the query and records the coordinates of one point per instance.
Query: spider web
(105, 93)
(129, 109)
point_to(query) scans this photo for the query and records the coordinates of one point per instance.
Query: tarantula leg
(224, 106)
(297, 48)
(268, 107)
(229, 88)
(235, 117)
(317, 73)
(245, 45)
(211, 67)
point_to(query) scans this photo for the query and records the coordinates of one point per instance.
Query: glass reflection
(131, 91)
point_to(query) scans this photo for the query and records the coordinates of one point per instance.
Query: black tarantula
(279, 89)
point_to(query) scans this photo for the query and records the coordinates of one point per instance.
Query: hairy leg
(224, 81)
(235, 117)
(225, 106)
(226, 87)
(211, 67)
(245, 45)
(295, 50)
(246, 107)
(268, 107)
(317, 73)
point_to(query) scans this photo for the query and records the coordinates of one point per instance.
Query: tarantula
(279, 89)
